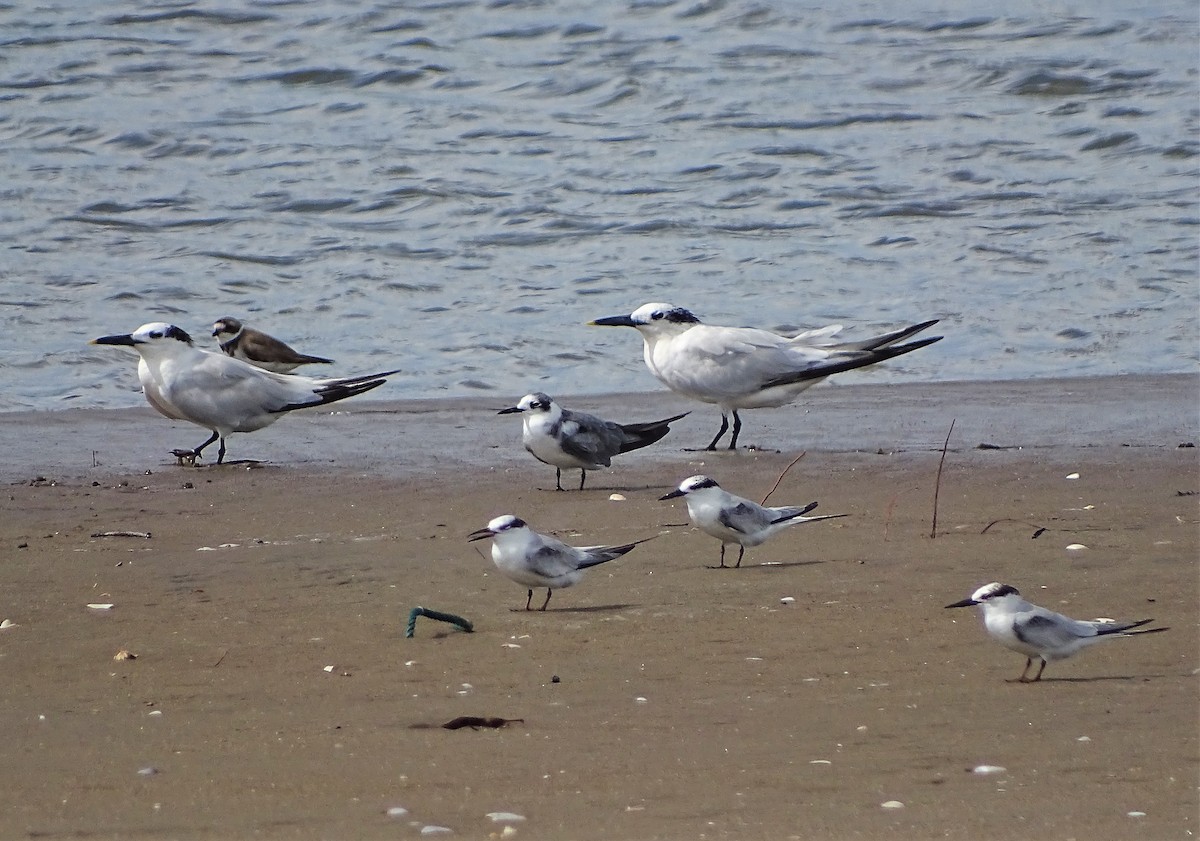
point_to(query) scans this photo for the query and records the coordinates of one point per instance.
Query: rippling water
(454, 188)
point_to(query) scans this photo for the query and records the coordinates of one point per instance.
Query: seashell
(124, 654)
(988, 769)
(397, 812)
(617, 497)
(95, 606)
(154, 712)
(503, 817)
(329, 668)
(892, 804)
(8, 623)
(787, 600)
(1072, 475)
(1136, 814)
(433, 829)
(640, 700)
(1075, 547)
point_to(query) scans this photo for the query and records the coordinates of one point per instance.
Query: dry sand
(274, 694)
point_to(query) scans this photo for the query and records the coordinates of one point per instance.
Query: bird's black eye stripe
(657, 316)
(156, 334)
(174, 332)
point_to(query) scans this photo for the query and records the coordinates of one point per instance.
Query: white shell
(1075, 547)
(617, 497)
(988, 769)
(892, 804)
(95, 606)
(502, 817)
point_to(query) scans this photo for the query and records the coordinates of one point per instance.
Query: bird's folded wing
(589, 438)
(744, 518)
(551, 559)
(1043, 631)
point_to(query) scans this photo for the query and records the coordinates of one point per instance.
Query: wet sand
(274, 694)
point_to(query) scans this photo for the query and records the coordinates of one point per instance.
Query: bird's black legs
(741, 551)
(737, 428)
(547, 601)
(582, 478)
(722, 566)
(197, 450)
(712, 445)
(557, 483)
(1024, 671)
(528, 598)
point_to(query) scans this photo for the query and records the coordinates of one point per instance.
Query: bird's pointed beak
(963, 603)
(672, 495)
(216, 331)
(510, 410)
(480, 534)
(613, 321)
(125, 339)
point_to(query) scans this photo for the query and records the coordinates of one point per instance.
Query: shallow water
(454, 188)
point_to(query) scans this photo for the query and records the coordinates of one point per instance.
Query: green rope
(435, 614)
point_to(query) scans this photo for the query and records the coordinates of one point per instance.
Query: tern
(745, 368)
(538, 560)
(218, 392)
(259, 349)
(563, 438)
(733, 519)
(1038, 632)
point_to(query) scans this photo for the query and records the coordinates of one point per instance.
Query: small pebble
(1084, 739)
(1136, 814)
(892, 804)
(148, 771)
(1075, 547)
(640, 700)
(95, 606)
(397, 812)
(433, 829)
(787, 600)
(617, 497)
(505, 817)
(988, 769)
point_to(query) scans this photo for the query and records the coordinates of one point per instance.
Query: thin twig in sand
(781, 475)
(937, 488)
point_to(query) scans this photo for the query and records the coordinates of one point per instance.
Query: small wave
(1109, 141)
(224, 17)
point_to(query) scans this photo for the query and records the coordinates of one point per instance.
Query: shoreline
(398, 438)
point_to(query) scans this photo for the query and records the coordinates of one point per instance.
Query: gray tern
(563, 438)
(745, 368)
(218, 392)
(1038, 632)
(259, 349)
(538, 560)
(733, 519)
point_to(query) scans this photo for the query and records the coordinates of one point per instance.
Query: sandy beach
(273, 693)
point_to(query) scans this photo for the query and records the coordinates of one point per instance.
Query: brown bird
(259, 349)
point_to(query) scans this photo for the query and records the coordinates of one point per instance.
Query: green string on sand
(438, 615)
